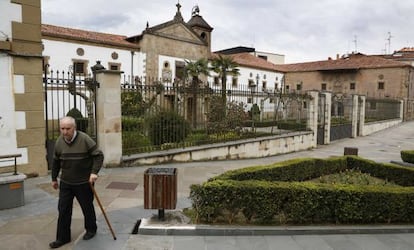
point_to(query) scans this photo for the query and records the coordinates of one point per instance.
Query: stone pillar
(312, 122)
(402, 109)
(108, 116)
(327, 116)
(354, 116)
(361, 115)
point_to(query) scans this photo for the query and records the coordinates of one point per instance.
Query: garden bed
(286, 193)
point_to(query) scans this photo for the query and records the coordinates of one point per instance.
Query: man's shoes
(88, 235)
(57, 243)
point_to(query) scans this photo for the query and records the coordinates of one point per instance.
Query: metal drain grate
(122, 185)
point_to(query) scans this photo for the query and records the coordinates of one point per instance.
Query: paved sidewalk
(120, 190)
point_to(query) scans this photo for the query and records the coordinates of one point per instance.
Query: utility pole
(389, 42)
(356, 43)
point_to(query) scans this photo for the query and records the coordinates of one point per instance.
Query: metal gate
(321, 120)
(66, 93)
(341, 118)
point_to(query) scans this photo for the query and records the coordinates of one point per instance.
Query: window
(352, 86)
(251, 83)
(204, 36)
(114, 66)
(323, 86)
(249, 100)
(264, 85)
(235, 81)
(114, 55)
(80, 67)
(179, 70)
(287, 88)
(381, 85)
(299, 86)
(216, 80)
(80, 52)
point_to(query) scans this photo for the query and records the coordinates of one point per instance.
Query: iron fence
(381, 109)
(65, 94)
(163, 116)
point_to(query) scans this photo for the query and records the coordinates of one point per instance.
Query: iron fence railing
(163, 116)
(381, 109)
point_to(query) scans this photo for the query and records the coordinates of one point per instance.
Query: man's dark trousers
(84, 195)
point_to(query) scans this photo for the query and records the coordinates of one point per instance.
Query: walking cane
(103, 211)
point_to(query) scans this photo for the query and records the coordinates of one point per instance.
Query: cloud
(303, 30)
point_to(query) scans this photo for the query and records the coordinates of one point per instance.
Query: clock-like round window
(80, 52)
(114, 55)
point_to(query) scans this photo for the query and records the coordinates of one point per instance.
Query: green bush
(132, 124)
(81, 122)
(407, 156)
(132, 104)
(167, 127)
(282, 193)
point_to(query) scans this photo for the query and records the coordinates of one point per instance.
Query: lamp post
(257, 87)
(95, 68)
(93, 85)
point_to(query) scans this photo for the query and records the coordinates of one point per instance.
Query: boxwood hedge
(280, 193)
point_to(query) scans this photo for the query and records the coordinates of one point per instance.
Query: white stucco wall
(273, 80)
(9, 85)
(9, 12)
(62, 54)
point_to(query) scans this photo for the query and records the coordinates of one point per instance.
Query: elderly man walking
(78, 160)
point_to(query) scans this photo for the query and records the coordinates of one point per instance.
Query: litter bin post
(160, 189)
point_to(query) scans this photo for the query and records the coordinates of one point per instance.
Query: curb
(207, 230)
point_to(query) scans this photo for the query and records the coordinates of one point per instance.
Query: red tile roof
(407, 49)
(86, 36)
(251, 61)
(354, 62)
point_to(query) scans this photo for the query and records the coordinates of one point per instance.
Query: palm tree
(224, 65)
(194, 70)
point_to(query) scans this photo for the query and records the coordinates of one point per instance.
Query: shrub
(167, 127)
(407, 156)
(132, 104)
(222, 119)
(282, 192)
(132, 124)
(81, 122)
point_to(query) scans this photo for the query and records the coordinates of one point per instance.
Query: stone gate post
(312, 122)
(362, 100)
(355, 118)
(108, 116)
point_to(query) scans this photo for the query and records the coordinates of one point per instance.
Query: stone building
(167, 45)
(372, 76)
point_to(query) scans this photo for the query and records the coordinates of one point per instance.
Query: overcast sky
(302, 30)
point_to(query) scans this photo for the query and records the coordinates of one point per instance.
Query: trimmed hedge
(407, 156)
(279, 193)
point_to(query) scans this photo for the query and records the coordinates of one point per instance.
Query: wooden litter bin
(160, 189)
(350, 151)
